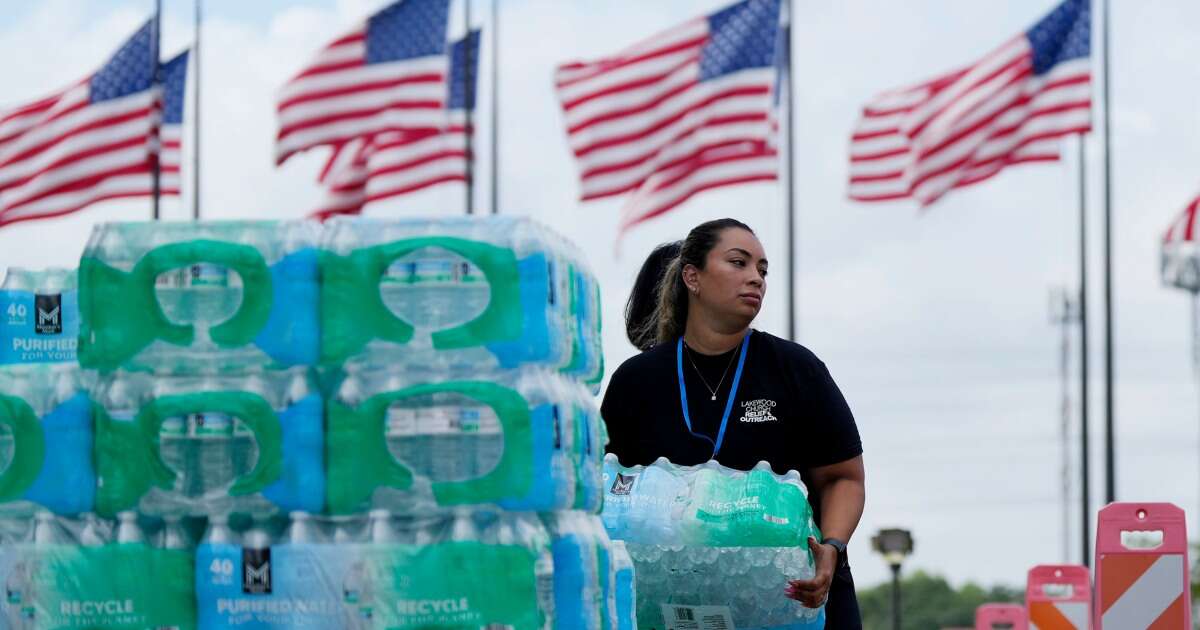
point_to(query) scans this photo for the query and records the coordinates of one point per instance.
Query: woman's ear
(691, 278)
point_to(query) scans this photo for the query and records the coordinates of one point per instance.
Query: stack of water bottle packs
(714, 543)
(362, 425)
(61, 566)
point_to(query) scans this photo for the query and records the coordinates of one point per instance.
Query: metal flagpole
(1085, 515)
(1196, 345)
(1063, 314)
(155, 168)
(1110, 482)
(789, 184)
(196, 118)
(495, 158)
(469, 83)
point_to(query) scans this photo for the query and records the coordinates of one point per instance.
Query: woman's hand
(812, 593)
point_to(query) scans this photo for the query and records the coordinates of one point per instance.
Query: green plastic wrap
(29, 447)
(119, 586)
(129, 463)
(353, 312)
(121, 314)
(359, 460)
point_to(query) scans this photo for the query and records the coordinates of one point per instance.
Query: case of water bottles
(210, 444)
(45, 441)
(45, 416)
(712, 541)
(183, 297)
(470, 569)
(467, 293)
(416, 441)
(86, 572)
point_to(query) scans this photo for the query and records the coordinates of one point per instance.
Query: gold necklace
(711, 390)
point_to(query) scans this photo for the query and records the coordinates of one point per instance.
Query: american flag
(1180, 254)
(89, 142)
(684, 111)
(397, 162)
(388, 73)
(174, 80)
(963, 127)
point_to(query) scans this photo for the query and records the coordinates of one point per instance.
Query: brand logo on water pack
(623, 484)
(256, 571)
(49, 314)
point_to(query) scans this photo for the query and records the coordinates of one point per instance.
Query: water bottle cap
(299, 515)
(379, 514)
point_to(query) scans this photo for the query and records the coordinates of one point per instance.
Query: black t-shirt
(787, 412)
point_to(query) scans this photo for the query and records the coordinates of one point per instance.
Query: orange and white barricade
(989, 616)
(1059, 597)
(1142, 568)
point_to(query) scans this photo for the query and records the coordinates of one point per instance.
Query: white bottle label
(442, 420)
(677, 617)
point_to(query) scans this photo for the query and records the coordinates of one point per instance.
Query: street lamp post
(894, 545)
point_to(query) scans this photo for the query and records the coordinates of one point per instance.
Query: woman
(713, 388)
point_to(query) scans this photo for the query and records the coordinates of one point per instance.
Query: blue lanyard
(737, 378)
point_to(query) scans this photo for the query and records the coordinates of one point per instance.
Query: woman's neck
(705, 338)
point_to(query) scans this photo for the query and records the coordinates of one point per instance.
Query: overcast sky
(934, 324)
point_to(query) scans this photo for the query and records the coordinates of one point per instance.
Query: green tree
(929, 602)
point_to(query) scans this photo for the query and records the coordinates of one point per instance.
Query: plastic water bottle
(175, 446)
(382, 528)
(626, 587)
(174, 535)
(562, 463)
(606, 571)
(18, 279)
(298, 388)
(218, 561)
(7, 446)
(218, 531)
(212, 435)
(532, 534)
(302, 530)
(654, 504)
(482, 428)
(128, 530)
(464, 528)
(19, 595)
(348, 530)
(175, 538)
(243, 449)
(96, 532)
(576, 582)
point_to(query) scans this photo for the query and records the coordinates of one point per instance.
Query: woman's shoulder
(646, 362)
(790, 353)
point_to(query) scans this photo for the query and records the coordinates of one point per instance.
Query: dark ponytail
(658, 305)
(641, 310)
